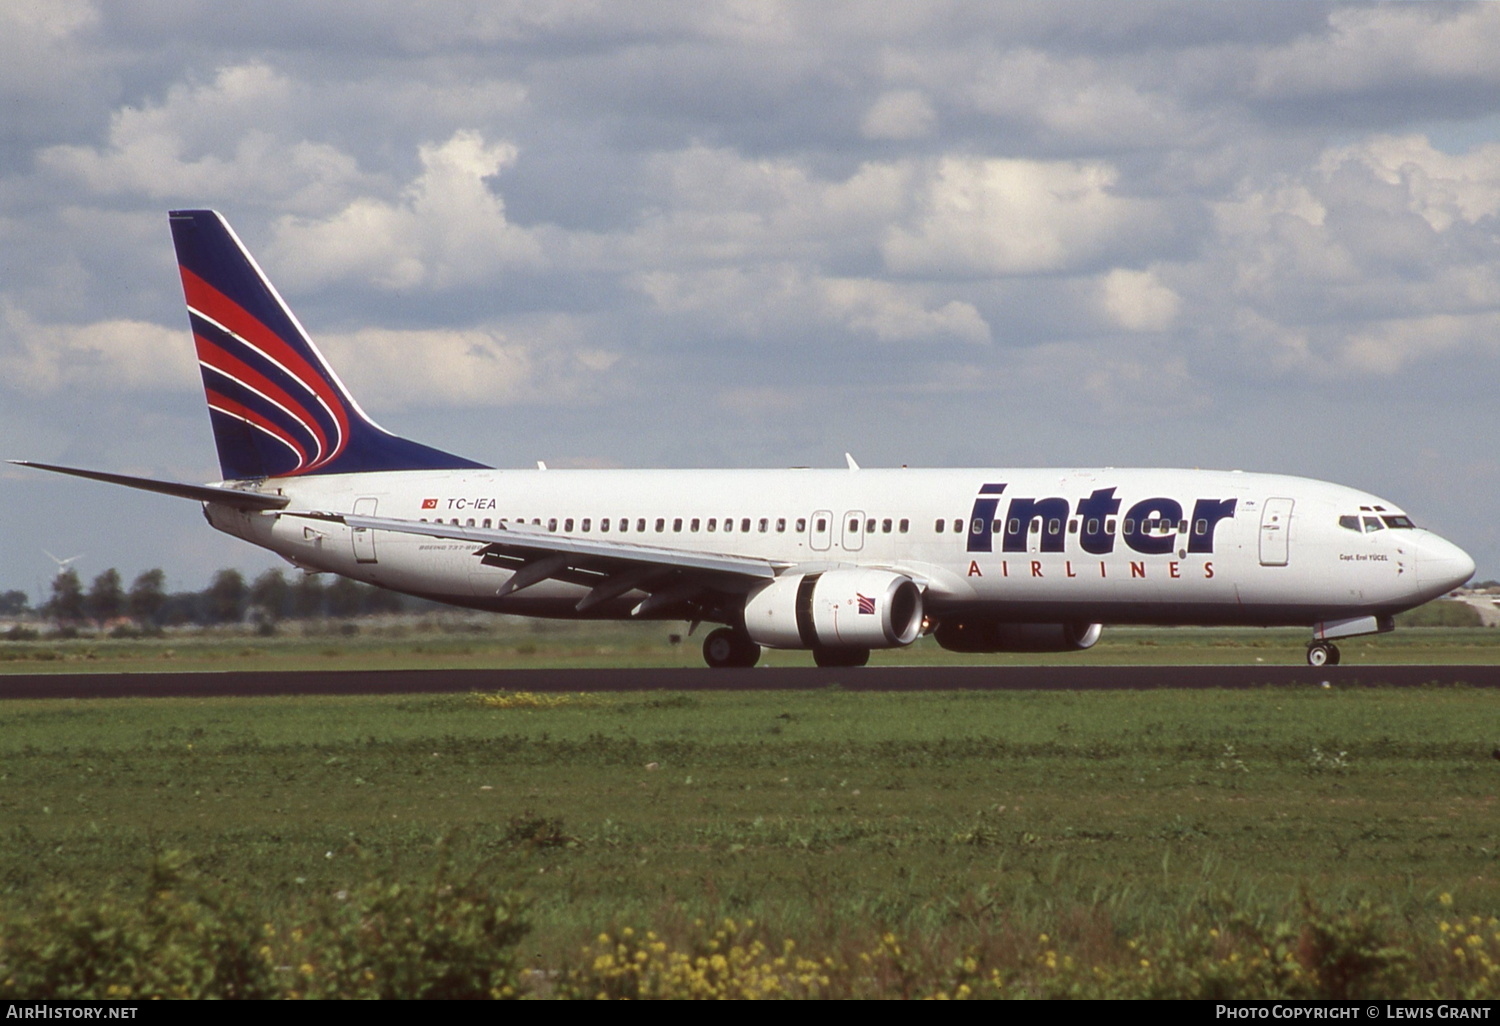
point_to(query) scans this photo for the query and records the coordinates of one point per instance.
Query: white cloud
(770, 301)
(1003, 217)
(1443, 189)
(899, 114)
(110, 355)
(447, 229)
(470, 367)
(1138, 301)
(213, 143)
(1386, 46)
(1387, 347)
(1082, 101)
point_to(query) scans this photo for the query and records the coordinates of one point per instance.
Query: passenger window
(1036, 525)
(1182, 527)
(938, 526)
(1072, 526)
(470, 522)
(822, 524)
(1014, 527)
(958, 527)
(802, 524)
(781, 525)
(640, 524)
(676, 524)
(885, 527)
(870, 526)
(586, 522)
(552, 524)
(904, 526)
(853, 526)
(729, 523)
(1053, 526)
(765, 525)
(1200, 527)
(745, 524)
(712, 523)
(568, 524)
(1128, 526)
(1092, 527)
(693, 526)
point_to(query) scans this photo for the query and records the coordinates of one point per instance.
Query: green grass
(507, 642)
(826, 816)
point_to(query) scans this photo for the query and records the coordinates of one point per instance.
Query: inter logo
(1154, 526)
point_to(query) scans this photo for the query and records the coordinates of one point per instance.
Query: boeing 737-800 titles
(836, 561)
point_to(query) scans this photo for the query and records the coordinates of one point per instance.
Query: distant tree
(66, 604)
(381, 600)
(270, 595)
(148, 594)
(1441, 613)
(344, 598)
(106, 597)
(13, 603)
(307, 597)
(226, 597)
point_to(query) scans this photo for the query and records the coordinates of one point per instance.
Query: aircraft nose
(1441, 565)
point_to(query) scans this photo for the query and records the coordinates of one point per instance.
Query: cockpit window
(1349, 523)
(1399, 522)
(1373, 524)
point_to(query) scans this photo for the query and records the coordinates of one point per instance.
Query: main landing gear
(1322, 653)
(727, 647)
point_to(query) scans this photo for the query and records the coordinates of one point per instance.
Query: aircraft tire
(726, 647)
(830, 658)
(1322, 653)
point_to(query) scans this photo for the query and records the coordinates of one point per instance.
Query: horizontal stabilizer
(202, 493)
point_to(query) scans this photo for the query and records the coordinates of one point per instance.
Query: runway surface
(935, 678)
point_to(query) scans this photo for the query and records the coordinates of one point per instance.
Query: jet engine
(837, 609)
(978, 634)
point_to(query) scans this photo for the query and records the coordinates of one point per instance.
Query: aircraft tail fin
(277, 407)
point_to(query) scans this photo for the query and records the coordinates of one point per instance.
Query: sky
(759, 234)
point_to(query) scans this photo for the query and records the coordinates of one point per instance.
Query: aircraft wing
(610, 568)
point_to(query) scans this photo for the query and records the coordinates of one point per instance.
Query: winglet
(852, 464)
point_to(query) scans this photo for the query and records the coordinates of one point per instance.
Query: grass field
(1274, 842)
(501, 642)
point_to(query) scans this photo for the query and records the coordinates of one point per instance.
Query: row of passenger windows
(884, 525)
(622, 525)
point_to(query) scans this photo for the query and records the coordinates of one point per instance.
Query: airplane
(839, 561)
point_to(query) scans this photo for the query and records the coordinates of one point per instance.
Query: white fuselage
(1120, 546)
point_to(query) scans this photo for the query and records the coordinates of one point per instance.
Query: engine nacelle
(836, 609)
(977, 634)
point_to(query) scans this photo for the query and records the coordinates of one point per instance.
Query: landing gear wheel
(829, 658)
(727, 647)
(1322, 653)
